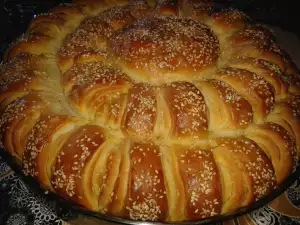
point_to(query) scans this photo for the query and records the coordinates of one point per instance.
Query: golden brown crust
(196, 9)
(73, 159)
(139, 9)
(287, 115)
(258, 92)
(26, 72)
(88, 84)
(201, 180)
(147, 186)
(19, 116)
(102, 174)
(36, 45)
(227, 109)
(187, 111)
(258, 43)
(112, 110)
(227, 22)
(293, 81)
(166, 7)
(17, 119)
(43, 145)
(253, 35)
(278, 144)
(151, 110)
(116, 206)
(95, 32)
(92, 7)
(146, 196)
(250, 172)
(140, 114)
(40, 38)
(269, 71)
(162, 49)
(48, 25)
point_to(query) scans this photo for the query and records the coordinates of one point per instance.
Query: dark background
(16, 14)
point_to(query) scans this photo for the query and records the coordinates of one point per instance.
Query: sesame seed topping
(200, 177)
(69, 169)
(253, 87)
(146, 201)
(141, 111)
(166, 43)
(255, 162)
(188, 106)
(134, 70)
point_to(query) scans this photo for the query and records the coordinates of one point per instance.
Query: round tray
(76, 209)
(264, 16)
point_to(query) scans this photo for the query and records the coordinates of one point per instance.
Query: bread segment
(196, 9)
(278, 144)
(258, 92)
(151, 110)
(254, 35)
(162, 49)
(95, 32)
(287, 115)
(166, 7)
(73, 165)
(200, 177)
(227, 109)
(104, 172)
(188, 111)
(247, 173)
(92, 7)
(95, 7)
(293, 81)
(45, 141)
(227, 22)
(146, 195)
(269, 71)
(89, 84)
(140, 114)
(27, 72)
(173, 184)
(19, 116)
(257, 42)
(47, 39)
(117, 205)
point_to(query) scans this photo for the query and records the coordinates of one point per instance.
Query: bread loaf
(151, 110)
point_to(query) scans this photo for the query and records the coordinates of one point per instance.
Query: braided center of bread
(151, 110)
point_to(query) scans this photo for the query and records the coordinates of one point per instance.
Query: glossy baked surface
(151, 110)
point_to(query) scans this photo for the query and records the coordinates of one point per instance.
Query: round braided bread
(151, 110)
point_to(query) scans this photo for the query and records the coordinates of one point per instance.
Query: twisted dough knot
(151, 110)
